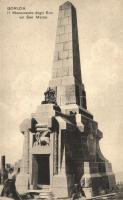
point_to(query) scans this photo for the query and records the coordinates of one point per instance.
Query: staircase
(43, 193)
(105, 196)
(46, 194)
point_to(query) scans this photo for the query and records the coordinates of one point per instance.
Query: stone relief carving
(42, 138)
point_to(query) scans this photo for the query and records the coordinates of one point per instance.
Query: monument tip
(66, 5)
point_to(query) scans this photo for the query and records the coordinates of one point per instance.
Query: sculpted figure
(38, 139)
(41, 138)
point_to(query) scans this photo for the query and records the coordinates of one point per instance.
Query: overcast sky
(26, 57)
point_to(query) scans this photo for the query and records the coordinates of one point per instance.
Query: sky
(26, 59)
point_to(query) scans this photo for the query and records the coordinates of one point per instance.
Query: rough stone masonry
(61, 139)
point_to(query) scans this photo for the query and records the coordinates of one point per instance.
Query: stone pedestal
(87, 186)
(23, 178)
(22, 183)
(25, 161)
(63, 182)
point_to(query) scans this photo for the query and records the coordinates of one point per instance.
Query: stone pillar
(23, 178)
(87, 180)
(59, 151)
(62, 127)
(55, 153)
(51, 160)
(63, 164)
(22, 181)
(110, 175)
(34, 172)
(30, 159)
(3, 169)
(26, 153)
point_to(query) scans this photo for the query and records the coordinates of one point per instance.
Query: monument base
(22, 183)
(62, 185)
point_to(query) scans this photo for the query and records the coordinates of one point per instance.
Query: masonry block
(68, 28)
(57, 64)
(70, 53)
(65, 21)
(70, 36)
(61, 14)
(68, 45)
(55, 81)
(59, 47)
(61, 30)
(67, 12)
(56, 56)
(65, 54)
(70, 70)
(64, 37)
(67, 62)
(60, 55)
(65, 71)
(67, 80)
(57, 38)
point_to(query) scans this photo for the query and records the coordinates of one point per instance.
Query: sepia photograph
(61, 99)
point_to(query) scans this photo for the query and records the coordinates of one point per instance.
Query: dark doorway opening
(43, 169)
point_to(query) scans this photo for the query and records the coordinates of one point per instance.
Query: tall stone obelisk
(66, 70)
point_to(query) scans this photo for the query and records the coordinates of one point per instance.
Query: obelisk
(66, 70)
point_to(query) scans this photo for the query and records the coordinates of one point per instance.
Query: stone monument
(61, 139)
(3, 171)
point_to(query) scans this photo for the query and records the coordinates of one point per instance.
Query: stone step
(44, 193)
